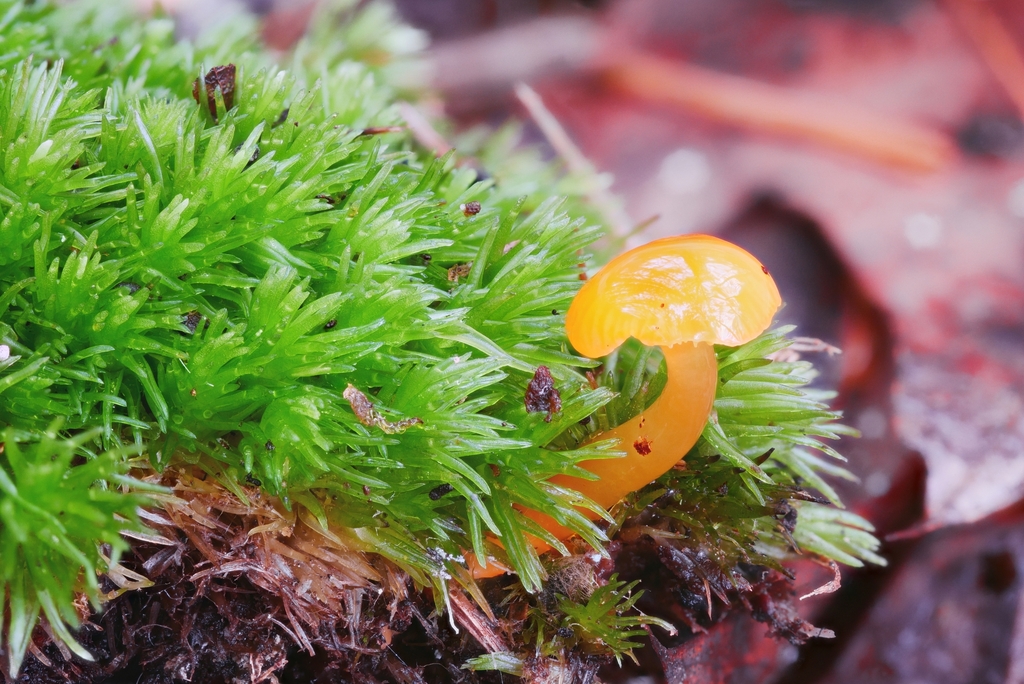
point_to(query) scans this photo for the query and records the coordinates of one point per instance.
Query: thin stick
(782, 111)
(422, 130)
(616, 218)
(994, 44)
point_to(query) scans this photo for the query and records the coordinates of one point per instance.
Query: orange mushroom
(684, 294)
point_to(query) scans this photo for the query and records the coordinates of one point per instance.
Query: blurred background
(871, 154)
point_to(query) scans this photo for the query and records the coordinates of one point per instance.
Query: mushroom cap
(690, 288)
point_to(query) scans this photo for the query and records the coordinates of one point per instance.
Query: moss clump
(226, 269)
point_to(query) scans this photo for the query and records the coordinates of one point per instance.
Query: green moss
(204, 286)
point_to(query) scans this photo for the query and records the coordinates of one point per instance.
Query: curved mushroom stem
(658, 438)
(654, 441)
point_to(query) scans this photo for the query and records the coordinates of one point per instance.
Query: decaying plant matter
(232, 337)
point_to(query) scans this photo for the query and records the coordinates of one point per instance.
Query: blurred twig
(784, 111)
(422, 130)
(492, 63)
(615, 217)
(994, 44)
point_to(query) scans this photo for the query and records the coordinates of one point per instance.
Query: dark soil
(224, 628)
